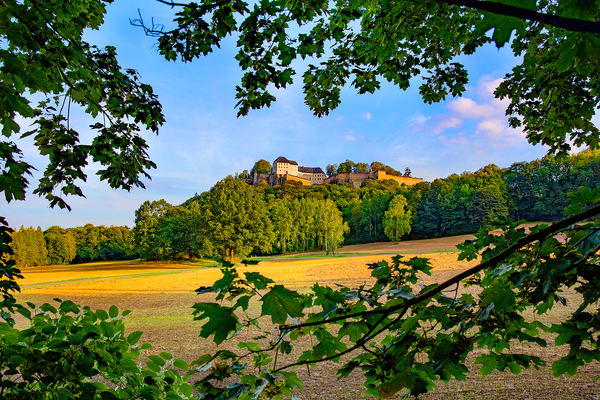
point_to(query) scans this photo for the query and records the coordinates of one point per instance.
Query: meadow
(160, 296)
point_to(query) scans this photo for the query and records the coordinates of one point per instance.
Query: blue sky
(203, 141)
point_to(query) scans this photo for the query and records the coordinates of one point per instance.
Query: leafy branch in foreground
(363, 44)
(69, 352)
(44, 57)
(405, 336)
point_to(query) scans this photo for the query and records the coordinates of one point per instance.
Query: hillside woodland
(296, 218)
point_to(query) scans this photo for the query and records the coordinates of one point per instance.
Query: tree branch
(172, 3)
(359, 343)
(543, 233)
(571, 24)
(550, 230)
(199, 14)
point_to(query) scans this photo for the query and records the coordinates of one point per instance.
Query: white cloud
(340, 118)
(487, 86)
(417, 122)
(446, 122)
(366, 115)
(481, 118)
(460, 139)
(351, 138)
(468, 108)
(493, 127)
(499, 133)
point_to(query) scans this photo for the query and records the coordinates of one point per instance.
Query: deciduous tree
(146, 240)
(397, 219)
(234, 221)
(44, 57)
(329, 225)
(61, 245)
(261, 167)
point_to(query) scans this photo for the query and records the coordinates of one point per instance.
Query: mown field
(160, 296)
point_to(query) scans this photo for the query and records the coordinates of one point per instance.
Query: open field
(161, 295)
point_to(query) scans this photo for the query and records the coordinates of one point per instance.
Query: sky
(203, 141)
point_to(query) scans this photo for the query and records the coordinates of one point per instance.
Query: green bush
(70, 352)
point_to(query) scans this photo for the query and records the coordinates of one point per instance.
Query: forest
(234, 220)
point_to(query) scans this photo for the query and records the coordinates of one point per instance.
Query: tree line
(57, 246)
(350, 166)
(234, 219)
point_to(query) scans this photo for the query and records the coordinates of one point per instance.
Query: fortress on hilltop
(287, 170)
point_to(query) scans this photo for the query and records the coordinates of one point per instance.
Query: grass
(161, 296)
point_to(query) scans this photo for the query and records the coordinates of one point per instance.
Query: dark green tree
(234, 221)
(61, 245)
(146, 240)
(261, 167)
(346, 167)
(178, 231)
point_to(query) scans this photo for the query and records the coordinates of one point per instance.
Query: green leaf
(354, 330)
(280, 302)
(153, 366)
(129, 366)
(186, 389)
(221, 320)
(489, 363)
(260, 282)
(102, 315)
(157, 360)
(181, 364)
(134, 337)
(567, 365)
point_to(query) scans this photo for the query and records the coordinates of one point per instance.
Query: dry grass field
(161, 295)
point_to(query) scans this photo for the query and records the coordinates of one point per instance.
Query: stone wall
(289, 177)
(258, 178)
(351, 178)
(382, 175)
(357, 179)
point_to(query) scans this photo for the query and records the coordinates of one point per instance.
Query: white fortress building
(288, 170)
(283, 166)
